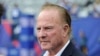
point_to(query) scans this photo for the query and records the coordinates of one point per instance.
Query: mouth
(44, 42)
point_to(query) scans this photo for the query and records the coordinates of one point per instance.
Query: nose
(41, 34)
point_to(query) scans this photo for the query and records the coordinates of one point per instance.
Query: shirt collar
(60, 52)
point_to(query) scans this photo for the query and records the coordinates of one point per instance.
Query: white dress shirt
(60, 52)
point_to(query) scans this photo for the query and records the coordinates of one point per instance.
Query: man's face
(50, 32)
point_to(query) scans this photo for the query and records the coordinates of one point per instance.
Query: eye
(38, 28)
(48, 28)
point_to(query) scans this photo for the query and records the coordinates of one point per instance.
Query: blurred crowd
(17, 38)
(80, 8)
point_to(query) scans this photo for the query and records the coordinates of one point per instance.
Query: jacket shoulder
(71, 50)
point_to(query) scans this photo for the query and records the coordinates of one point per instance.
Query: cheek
(55, 42)
(55, 34)
(55, 37)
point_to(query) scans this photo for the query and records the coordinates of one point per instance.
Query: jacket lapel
(68, 50)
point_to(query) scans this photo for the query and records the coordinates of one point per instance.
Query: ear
(65, 29)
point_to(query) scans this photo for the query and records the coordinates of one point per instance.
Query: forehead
(49, 16)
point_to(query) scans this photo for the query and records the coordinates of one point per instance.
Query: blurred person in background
(1, 11)
(16, 14)
(96, 8)
(67, 4)
(5, 29)
(53, 31)
(83, 42)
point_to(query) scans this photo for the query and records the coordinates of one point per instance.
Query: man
(53, 31)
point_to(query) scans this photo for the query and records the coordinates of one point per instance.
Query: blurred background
(17, 30)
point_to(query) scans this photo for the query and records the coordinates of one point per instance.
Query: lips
(44, 41)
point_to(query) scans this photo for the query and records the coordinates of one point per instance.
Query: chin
(45, 48)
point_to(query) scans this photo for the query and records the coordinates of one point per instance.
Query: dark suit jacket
(70, 50)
